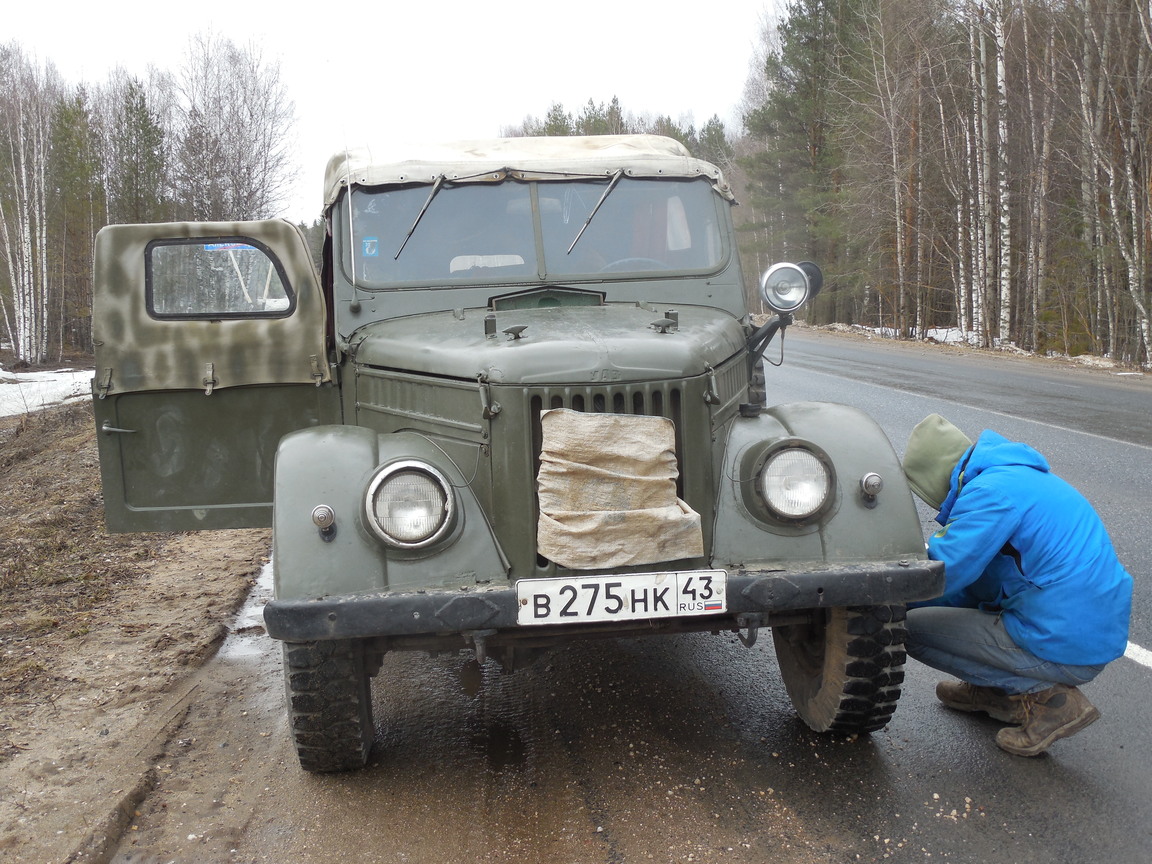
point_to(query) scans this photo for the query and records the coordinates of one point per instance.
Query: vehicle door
(210, 344)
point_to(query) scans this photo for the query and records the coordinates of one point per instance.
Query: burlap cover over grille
(607, 492)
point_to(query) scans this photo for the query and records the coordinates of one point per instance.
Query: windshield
(512, 231)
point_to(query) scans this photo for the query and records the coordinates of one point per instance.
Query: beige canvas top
(522, 158)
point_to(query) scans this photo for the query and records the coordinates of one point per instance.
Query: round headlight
(785, 287)
(410, 505)
(795, 483)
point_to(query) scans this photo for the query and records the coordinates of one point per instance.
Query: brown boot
(1052, 714)
(993, 701)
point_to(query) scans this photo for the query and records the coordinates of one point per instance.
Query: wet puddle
(247, 638)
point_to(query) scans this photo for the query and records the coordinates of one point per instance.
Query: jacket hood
(991, 450)
(934, 449)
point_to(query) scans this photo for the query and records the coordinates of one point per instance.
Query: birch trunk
(1116, 147)
(25, 109)
(1040, 112)
(1003, 190)
(981, 222)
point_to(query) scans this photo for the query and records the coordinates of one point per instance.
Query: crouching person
(1035, 601)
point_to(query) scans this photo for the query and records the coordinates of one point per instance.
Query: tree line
(981, 165)
(954, 163)
(710, 142)
(209, 140)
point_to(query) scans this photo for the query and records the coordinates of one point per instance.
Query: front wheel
(843, 667)
(329, 692)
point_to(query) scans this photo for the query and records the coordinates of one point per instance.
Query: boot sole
(1070, 728)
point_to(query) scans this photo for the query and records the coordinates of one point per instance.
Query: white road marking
(1141, 655)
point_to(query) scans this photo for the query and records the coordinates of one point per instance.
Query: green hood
(615, 342)
(934, 448)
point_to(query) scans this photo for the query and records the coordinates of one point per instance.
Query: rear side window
(218, 277)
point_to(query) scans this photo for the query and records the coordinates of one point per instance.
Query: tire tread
(860, 683)
(329, 704)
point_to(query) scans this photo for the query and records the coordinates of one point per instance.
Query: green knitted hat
(934, 448)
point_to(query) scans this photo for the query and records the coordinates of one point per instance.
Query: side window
(225, 277)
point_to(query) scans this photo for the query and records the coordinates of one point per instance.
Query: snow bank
(21, 392)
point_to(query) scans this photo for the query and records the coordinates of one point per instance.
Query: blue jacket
(1018, 539)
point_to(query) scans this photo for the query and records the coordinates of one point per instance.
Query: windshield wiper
(611, 185)
(435, 188)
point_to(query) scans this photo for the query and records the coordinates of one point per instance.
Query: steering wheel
(623, 264)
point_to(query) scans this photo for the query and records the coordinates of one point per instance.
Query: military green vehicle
(521, 404)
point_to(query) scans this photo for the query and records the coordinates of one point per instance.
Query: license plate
(621, 598)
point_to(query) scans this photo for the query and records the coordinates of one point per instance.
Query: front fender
(851, 529)
(333, 465)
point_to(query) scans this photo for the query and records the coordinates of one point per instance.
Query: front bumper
(464, 610)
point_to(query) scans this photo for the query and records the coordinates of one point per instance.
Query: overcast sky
(363, 72)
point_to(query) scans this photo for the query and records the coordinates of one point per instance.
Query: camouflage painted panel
(206, 305)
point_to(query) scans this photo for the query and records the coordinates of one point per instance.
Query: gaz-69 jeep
(521, 404)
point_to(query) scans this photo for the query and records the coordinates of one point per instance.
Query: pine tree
(137, 161)
(76, 205)
(796, 173)
(557, 121)
(713, 145)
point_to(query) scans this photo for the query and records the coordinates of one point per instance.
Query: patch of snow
(1094, 361)
(23, 392)
(951, 336)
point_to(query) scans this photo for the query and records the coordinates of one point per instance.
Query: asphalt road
(685, 749)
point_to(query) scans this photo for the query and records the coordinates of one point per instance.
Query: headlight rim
(771, 298)
(826, 503)
(389, 470)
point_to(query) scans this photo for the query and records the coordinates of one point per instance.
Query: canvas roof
(566, 157)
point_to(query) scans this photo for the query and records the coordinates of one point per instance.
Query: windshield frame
(585, 212)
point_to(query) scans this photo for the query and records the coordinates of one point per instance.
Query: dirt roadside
(98, 636)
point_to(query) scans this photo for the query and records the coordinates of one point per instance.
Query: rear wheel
(843, 667)
(329, 692)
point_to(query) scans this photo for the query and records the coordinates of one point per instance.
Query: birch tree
(27, 97)
(232, 155)
(998, 12)
(888, 121)
(1118, 129)
(1040, 89)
